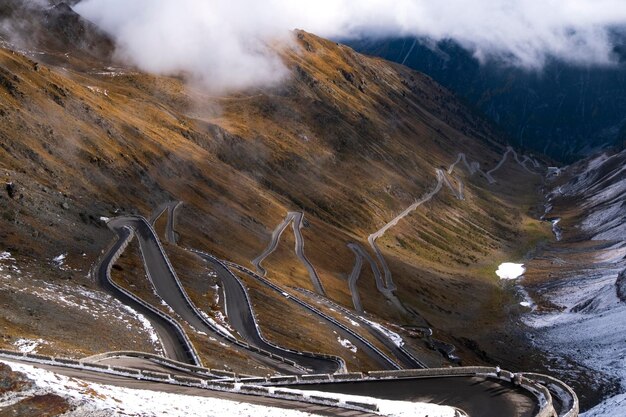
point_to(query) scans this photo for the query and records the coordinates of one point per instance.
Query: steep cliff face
(564, 110)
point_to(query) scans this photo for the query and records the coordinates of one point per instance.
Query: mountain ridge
(562, 110)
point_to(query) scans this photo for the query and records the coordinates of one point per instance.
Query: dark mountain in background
(564, 111)
(54, 29)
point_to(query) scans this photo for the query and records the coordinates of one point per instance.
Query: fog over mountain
(249, 204)
(226, 44)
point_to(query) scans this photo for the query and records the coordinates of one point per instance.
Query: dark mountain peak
(54, 27)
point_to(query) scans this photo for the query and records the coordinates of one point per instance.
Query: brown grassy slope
(349, 140)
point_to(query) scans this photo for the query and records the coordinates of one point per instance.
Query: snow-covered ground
(147, 326)
(6, 256)
(28, 345)
(92, 399)
(352, 322)
(591, 328)
(222, 325)
(611, 407)
(98, 304)
(509, 270)
(98, 90)
(60, 259)
(556, 229)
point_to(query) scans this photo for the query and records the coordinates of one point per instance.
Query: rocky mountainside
(577, 282)
(564, 111)
(347, 140)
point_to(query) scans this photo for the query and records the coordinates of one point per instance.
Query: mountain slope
(350, 141)
(577, 282)
(563, 110)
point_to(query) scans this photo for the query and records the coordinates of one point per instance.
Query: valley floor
(580, 311)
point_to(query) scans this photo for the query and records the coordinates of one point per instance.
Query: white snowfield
(92, 399)
(594, 335)
(509, 270)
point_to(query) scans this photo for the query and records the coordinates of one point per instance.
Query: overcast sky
(221, 43)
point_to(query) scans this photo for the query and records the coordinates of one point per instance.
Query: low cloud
(224, 43)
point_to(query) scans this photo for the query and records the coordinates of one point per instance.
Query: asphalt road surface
(164, 281)
(121, 381)
(296, 219)
(357, 340)
(240, 317)
(401, 353)
(477, 396)
(173, 344)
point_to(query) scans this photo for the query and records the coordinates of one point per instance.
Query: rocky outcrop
(620, 285)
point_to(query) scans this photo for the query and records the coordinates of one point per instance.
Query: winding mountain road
(172, 337)
(354, 276)
(167, 286)
(296, 220)
(171, 208)
(389, 286)
(407, 358)
(477, 396)
(357, 340)
(240, 315)
(510, 150)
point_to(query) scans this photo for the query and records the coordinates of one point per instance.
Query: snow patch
(347, 344)
(8, 262)
(556, 229)
(352, 322)
(393, 336)
(509, 270)
(59, 259)
(98, 90)
(147, 326)
(59, 262)
(222, 329)
(6, 256)
(28, 345)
